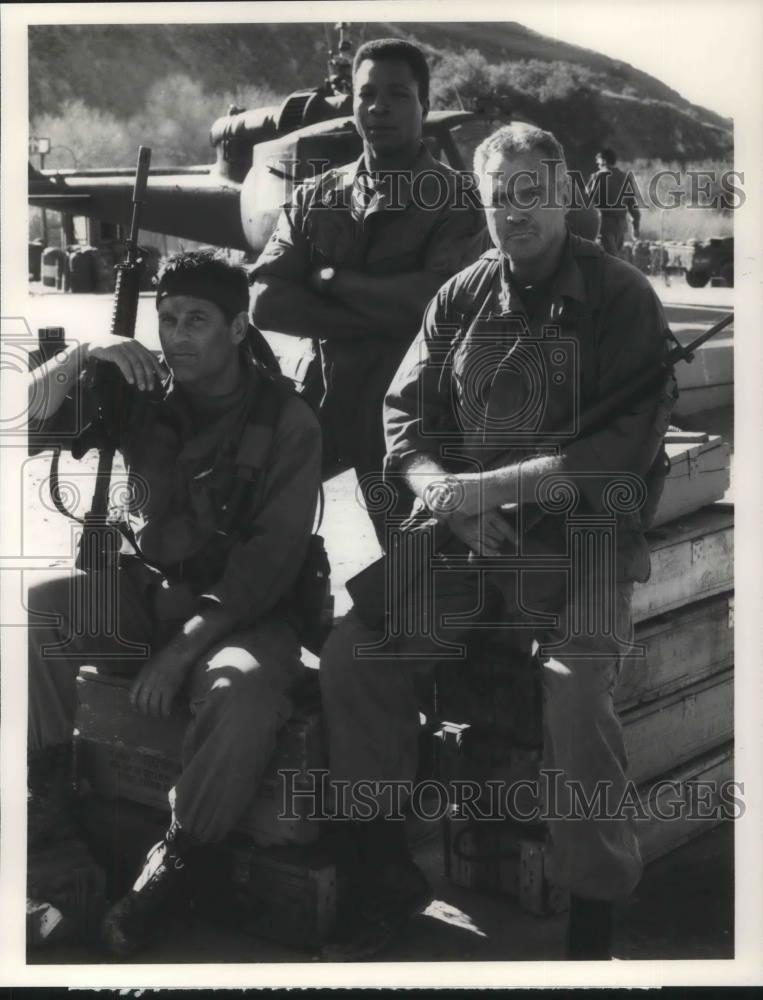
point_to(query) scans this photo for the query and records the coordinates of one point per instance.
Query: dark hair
(608, 155)
(397, 48)
(207, 269)
(209, 275)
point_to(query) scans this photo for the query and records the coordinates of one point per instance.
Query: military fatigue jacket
(182, 468)
(426, 219)
(481, 386)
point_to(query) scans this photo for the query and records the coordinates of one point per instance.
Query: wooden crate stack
(675, 701)
(271, 873)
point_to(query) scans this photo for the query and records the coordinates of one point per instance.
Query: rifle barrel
(684, 353)
(139, 191)
(645, 379)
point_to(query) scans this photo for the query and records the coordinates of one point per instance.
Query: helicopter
(260, 154)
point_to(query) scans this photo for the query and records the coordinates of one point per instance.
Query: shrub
(174, 121)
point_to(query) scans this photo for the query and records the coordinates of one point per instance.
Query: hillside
(116, 71)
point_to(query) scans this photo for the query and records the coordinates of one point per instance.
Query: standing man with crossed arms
(359, 251)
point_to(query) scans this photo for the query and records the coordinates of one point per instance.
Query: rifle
(100, 542)
(368, 588)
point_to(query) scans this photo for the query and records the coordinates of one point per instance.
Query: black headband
(227, 295)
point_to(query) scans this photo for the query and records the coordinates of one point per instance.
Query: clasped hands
(461, 502)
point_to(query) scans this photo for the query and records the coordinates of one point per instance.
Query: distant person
(359, 251)
(613, 197)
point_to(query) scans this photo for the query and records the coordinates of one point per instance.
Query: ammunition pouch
(655, 483)
(660, 467)
(312, 597)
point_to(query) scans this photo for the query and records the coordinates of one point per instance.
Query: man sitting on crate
(511, 351)
(224, 461)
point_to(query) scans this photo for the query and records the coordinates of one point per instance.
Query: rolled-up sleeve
(633, 337)
(264, 564)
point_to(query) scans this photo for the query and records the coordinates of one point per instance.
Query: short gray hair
(519, 137)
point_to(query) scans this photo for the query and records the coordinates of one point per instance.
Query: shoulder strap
(268, 401)
(591, 264)
(262, 416)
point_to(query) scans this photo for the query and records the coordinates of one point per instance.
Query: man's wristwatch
(443, 496)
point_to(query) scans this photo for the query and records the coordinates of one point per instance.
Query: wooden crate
(464, 752)
(692, 559)
(124, 754)
(657, 837)
(679, 727)
(700, 474)
(287, 894)
(500, 857)
(680, 648)
(659, 735)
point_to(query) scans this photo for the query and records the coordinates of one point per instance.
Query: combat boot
(589, 930)
(386, 889)
(162, 888)
(398, 891)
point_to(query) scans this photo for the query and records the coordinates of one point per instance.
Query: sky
(698, 47)
(707, 50)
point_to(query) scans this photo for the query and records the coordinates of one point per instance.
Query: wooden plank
(672, 796)
(498, 858)
(681, 647)
(495, 857)
(692, 559)
(699, 475)
(699, 399)
(713, 365)
(659, 735)
(287, 895)
(104, 715)
(116, 771)
(135, 774)
(677, 436)
(123, 754)
(677, 728)
(104, 712)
